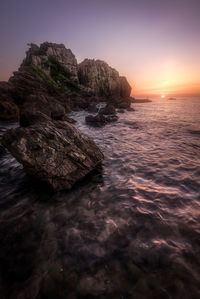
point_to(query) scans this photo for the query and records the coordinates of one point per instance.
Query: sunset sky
(154, 43)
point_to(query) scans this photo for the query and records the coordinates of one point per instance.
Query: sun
(163, 96)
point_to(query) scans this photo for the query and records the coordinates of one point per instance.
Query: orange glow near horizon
(168, 78)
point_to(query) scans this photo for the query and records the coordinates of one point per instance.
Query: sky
(154, 43)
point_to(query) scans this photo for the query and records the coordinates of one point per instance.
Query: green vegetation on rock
(61, 75)
(48, 82)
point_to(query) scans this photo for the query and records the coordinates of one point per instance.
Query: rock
(111, 118)
(2, 149)
(69, 119)
(100, 119)
(55, 152)
(92, 108)
(102, 80)
(120, 110)
(38, 56)
(97, 120)
(125, 88)
(108, 110)
(28, 118)
(58, 114)
(130, 109)
(123, 103)
(9, 111)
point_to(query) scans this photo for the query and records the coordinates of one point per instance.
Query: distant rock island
(48, 85)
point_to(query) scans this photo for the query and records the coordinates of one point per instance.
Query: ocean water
(129, 230)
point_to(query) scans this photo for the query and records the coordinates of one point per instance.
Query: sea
(131, 229)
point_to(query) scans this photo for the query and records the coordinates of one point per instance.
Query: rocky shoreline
(48, 85)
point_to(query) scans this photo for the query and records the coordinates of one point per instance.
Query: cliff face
(50, 80)
(102, 80)
(39, 56)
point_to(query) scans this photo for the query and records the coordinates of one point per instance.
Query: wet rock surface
(102, 80)
(108, 110)
(55, 152)
(100, 119)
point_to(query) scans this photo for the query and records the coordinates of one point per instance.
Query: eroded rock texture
(54, 152)
(102, 80)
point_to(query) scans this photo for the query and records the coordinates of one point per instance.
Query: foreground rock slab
(54, 152)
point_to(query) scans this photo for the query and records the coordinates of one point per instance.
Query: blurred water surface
(130, 230)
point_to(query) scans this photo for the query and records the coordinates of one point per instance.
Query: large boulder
(55, 152)
(100, 119)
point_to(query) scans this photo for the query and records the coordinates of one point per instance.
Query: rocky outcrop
(39, 56)
(55, 152)
(50, 81)
(125, 88)
(100, 119)
(102, 80)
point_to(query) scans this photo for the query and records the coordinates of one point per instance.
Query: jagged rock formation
(50, 81)
(102, 80)
(55, 152)
(39, 56)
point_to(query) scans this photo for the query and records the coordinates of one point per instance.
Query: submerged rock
(55, 152)
(93, 108)
(130, 109)
(108, 110)
(120, 110)
(100, 119)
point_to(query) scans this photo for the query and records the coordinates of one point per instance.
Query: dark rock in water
(28, 118)
(69, 119)
(92, 108)
(55, 152)
(111, 118)
(96, 120)
(108, 110)
(122, 104)
(130, 109)
(100, 119)
(120, 110)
